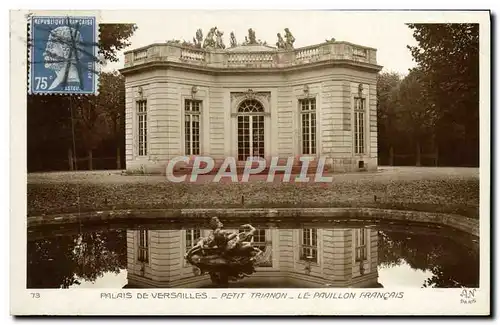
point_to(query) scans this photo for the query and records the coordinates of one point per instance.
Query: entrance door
(250, 129)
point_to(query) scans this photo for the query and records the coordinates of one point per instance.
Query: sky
(396, 277)
(386, 31)
(402, 276)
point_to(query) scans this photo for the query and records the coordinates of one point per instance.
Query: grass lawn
(449, 190)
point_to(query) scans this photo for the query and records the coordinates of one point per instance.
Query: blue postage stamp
(63, 55)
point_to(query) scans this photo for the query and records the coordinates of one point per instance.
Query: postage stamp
(63, 55)
(264, 169)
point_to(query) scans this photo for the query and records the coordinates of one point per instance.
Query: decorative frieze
(237, 97)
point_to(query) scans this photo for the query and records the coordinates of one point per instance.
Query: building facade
(251, 100)
(308, 257)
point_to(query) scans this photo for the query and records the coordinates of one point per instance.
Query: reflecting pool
(298, 254)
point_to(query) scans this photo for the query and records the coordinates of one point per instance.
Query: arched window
(251, 106)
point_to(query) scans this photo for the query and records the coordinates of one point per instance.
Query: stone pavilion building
(251, 100)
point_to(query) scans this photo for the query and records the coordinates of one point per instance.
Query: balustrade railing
(245, 58)
(192, 55)
(141, 54)
(308, 54)
(281, 58)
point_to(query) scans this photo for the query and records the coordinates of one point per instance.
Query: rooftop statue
(289, 39)
(224, 255)
(280, 44)
(233, 42)
(214, 39)
(219, 42)
(209, 39)
(198, 41)
(251, 37)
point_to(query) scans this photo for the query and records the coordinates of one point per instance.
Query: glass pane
(250, 106)
(243, 137)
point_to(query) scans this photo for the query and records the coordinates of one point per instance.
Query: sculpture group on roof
(287, 43)
(213, 40)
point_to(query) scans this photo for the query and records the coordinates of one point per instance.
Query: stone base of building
(347, 165)
(332, 165)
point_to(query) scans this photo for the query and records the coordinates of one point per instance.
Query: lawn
(448, 190)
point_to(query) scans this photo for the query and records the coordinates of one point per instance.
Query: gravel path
(450, 190)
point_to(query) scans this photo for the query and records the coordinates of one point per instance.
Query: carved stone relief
(263, 97)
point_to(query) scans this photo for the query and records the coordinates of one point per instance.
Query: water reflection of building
(308, 257)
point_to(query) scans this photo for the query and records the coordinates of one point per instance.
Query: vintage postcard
(250, 162)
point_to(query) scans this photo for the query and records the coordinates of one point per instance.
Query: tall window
(143, 250)
(360, 244)
(359, 125)
(192, 110)
(250, 129)
(192, 237)
(308, 121)
(142, 123)
(309, 245)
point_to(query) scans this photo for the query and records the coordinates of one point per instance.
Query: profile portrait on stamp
(63, 55)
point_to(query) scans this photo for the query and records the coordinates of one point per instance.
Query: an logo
(468, 296)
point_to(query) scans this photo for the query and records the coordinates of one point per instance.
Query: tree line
(431, 115)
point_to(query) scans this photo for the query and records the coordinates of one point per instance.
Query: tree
(96, 253)
(91, 123)
(416, 114)
(387, 101)
(111, 101)
(63, 261)
(49, 263)
(114, 38)
(452, 264)
(448, 57)
(48, 132)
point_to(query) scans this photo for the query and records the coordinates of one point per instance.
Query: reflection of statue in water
(224, 255)
(62, 53)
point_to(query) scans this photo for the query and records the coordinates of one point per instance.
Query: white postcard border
(415, 301)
